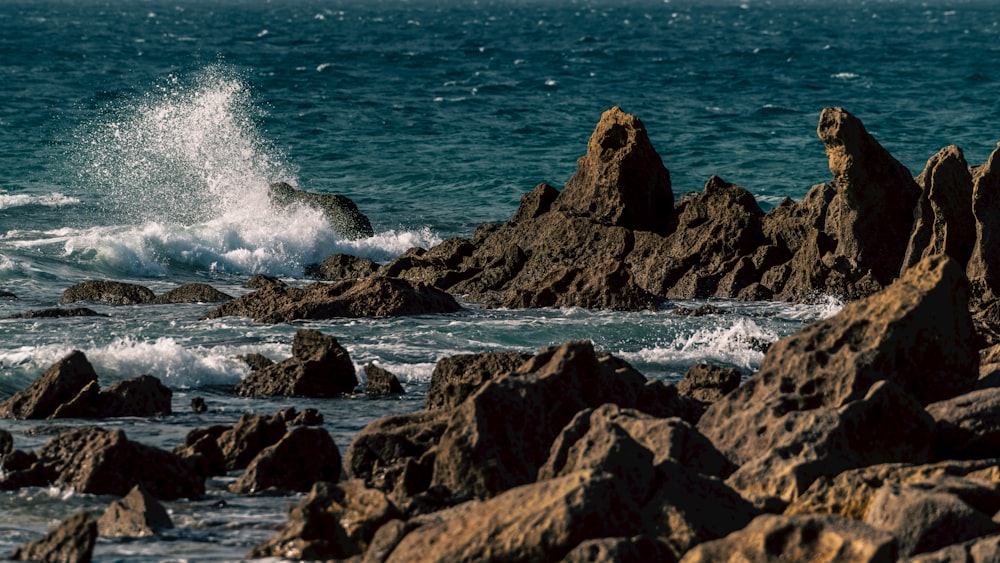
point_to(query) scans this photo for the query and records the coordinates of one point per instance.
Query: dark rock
(980, 550)
(198, 405)
(342, 213)
(97, 461)
(202, 451)
(319, 367)
(371, 297)
(944, 222)
(832, 539)
(193, 293)
(700, 311)
(70, 542)
(386, 449)
(6, 444)
(138, 514)
(18, 460)
(968, 425)
(638, 549)
(63, 381)
(304, 456)
(924, 520)
(103, 291)
(485, 450)
(984, 264)
(257, 361)
(621, 181)
(260, 281)
(7, 295)
(143, 396)
(331, 522)
(456, 377)
(707, 383)
(536, 522)
(251, 434)
(833, 362)
(535, 203)
(380, 382)
(308, 417)
(342, 267)
(57, 313)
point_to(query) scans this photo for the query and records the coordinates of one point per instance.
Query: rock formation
(380, 382)
(319, 367)
(70, 542)
(342, 213)
(138, 514)
(193, 293)
(112, 292)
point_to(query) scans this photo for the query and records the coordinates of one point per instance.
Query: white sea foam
(54, 199)
(740, 344)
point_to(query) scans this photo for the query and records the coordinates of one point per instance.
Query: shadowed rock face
(71, 542)
(342, 213)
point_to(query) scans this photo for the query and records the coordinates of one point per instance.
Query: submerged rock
(193, 293)
(70, 542)
(342, 213)
(57, 313)
(104, 291)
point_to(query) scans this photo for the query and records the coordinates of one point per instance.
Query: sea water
(139, 138)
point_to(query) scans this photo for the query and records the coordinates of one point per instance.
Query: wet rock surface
(70, 542)
(342, 213)
(319, 367)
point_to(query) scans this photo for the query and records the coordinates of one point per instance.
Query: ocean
(139, 138)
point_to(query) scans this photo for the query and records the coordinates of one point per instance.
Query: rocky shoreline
(868, 436)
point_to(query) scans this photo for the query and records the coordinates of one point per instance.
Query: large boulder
(984, 264)
(304, 456)
(836, 361)
(72, 541)
(61, 383)
(456, 377)
(370, 297)
(968, 425)
(193, 293)
(621, 180)
(112, 292)
(342, 213)
(139, 514)
(104, 462)
(380, 382)
(771, 538)
(319, 367)
(253, 433)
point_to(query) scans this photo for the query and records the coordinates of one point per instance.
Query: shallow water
(140, 138)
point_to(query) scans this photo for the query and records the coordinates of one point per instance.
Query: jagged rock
(456, 377)
(638, 549)
(708, 253)
(980, 550)
(771, 538)
(98, 461)
(833, 362)
(968, 425)
(699, 311)
(256, 362)
(331, 522)
(535, 203)
(104, 291)
(850, 493)
(260, 281)
(302, 457)
(984, 264)
(485, 450)
(395, 451)
(198, 405)
(319, 367)
(70, 542)
(923, 520)
(62, 382)
(138, 514)
(379, 382)
(308, 417)
(535, 522)
(342, 213)
(193, 293)
(370, 297)
(342, 267)
(143, 395)
(944, 222)
(201, 449)
(621, 180)
(251, 434)
(57, 313)
(707, 383)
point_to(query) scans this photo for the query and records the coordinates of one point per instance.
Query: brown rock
(112, 292)
(983, 269)
(944, 220)
(392, 448)
(319, 367)
(380, 382)
(342, 213)
(62, 382)
(535, 203)
(6, 444)
(141, 396)
(638, 549)
(332, 522)
(70, 542)
(138, 514)
(370, 297)
(536, 522)
(193, 293)
(342, 267)
(251, 434)
(57, 313)
(621, 180)
(457, 377)
(304, 456)
(968, 425)
(924, 520)
(260, 281)
(771, 538)
(870, 217)
(707, 383)
(835, 361)
(980, 550)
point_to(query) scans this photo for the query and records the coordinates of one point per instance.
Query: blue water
(139, 138)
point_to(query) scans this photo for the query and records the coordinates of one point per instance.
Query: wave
(741, 344)
(54, 199)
